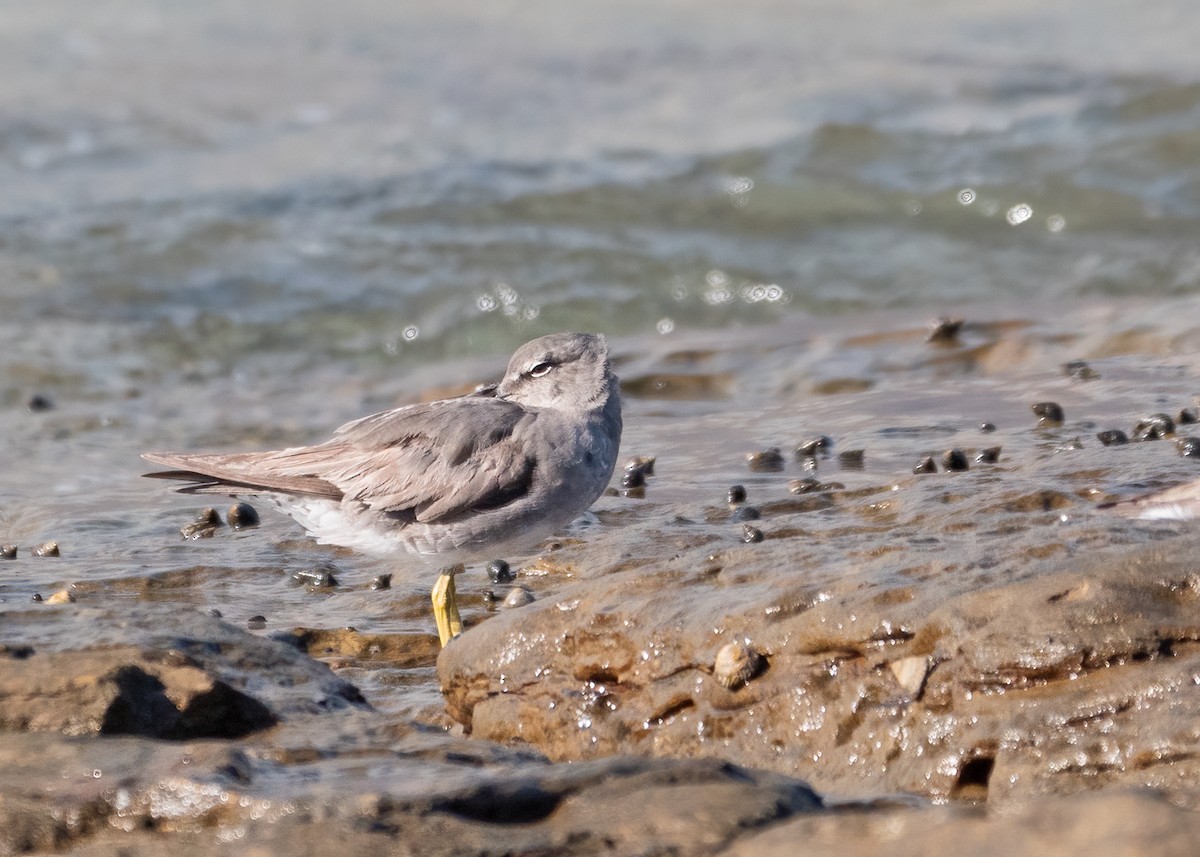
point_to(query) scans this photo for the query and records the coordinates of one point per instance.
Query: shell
(736, 664)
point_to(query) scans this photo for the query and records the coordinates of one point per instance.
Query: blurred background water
(227, 224)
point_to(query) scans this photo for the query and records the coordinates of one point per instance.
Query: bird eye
(537, 370)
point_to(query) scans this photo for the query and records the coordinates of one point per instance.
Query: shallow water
(224, 231)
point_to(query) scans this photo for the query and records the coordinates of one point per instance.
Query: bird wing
(432, 462)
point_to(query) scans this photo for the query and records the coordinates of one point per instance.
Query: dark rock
(322, 577)
(989, 456)
(751, 534)
(987, 428)
(736, 494)
(1079, 370)
(767, 461)
(944, 330)
(242, 516)
(955, 460)
(46, 549)
(1189, 447)
(38, 402)
(499, 572)
(1154, 427)
(925, 465)
(812, 448)
(1049, 413)
(745, 513)
(1113, 437)
(8, 551)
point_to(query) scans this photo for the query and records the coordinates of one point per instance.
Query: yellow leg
(445, 605)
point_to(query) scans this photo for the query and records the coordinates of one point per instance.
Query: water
(224, 229)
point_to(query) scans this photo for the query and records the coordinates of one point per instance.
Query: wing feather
(436, 461)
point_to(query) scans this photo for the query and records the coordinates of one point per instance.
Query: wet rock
(1049, 413)
(812, 448)
(766, 461)
(1112, 437)
(643, 464)
(1187, 416)
(744, 513)
(123, 691)
(925, 465)
(518, 596)
(1154, 427)
(1079, 370)
(987, 428)
(1036, 669)
(63, 596)
(242, 516)
(36, 598)
(322, 577)
(955, 460)
(737, 663)
(1188, 447)
(499, 572)
(257, 622)
(39, 402)
(944, 330)
(810, 485)
(46, 549)
(989, 456)
(751, 534)
(8, 551)
(736, 494)
(633, 479)
(424, 794)
(851, 459)
(381, 582)
(203, 527)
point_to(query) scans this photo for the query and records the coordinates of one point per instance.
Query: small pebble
(203, 527)
(944, 329)
(1112, 437)
(736, 664)
(644, 464)
(47, 549)
(256, 623)
(751, 534)
(737, 494)
(817, 446)
(1154, 427)
(322, 577)
(8, 551)
(1079, 370)
(988, 456)
(1189, 447)
(955, 461)
(383, 581)
(37, 402)
(926, 465)
(1187, 416)
(633, 479)
(806, 485)
(518, 596)
(242, 516)
(745, 513)
(1049, 413)
(37, 596)
(851, 459)
(987, 428)
(63, 596)
(214, 613)
(767, 461)
(500, 572)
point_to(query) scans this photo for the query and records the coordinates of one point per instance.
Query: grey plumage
(497, 468)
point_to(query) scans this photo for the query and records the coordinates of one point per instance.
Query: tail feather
(239, 473)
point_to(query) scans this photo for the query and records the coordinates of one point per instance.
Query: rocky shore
(739, 651)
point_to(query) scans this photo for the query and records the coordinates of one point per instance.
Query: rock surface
(1003, 683)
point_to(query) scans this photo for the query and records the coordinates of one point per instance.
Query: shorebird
(457, 479)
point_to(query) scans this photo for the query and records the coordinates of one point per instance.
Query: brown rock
(985, 686)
